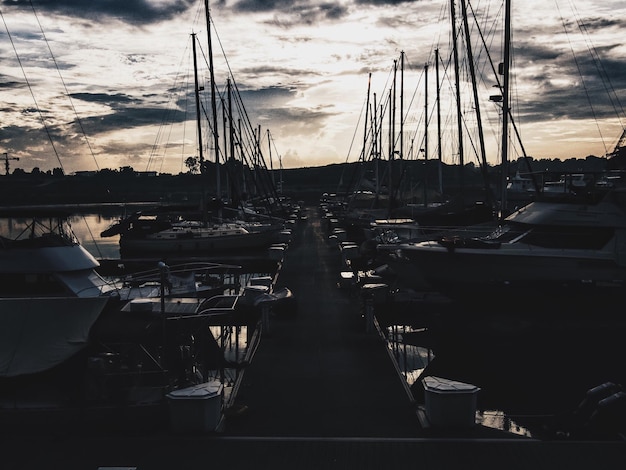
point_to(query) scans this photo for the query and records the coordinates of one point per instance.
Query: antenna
(6, 161)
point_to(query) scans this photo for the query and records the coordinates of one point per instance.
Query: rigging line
(182, 147)
(441, 18)
(250, 142)
(582, 78)
(168, 116)
(30, 89)
(67, 93)
(249, 146)
(499, 85)
(244, 112)
(489, 26)
(593, 52)
(247, 136)
(169, 111)
(413, 97)
(355, 132)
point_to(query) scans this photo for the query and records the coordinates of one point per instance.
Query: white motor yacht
(544, 249)
(50, 294)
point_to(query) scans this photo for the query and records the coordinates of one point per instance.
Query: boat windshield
(36, 232)
(506, 234)
(565, 237)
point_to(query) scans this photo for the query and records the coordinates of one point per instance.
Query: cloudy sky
(107, 84)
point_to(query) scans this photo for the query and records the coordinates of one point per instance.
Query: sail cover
(37, 334)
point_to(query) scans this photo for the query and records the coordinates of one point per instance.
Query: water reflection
(410, 358)
(87, 228)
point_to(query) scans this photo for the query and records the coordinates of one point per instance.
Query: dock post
(163, 269)
(372, 294)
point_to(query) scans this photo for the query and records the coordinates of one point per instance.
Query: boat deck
(320, 392)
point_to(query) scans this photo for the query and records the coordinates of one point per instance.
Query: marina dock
(318, 373)
(321, 392)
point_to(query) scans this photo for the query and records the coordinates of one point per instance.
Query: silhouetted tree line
(127, 185)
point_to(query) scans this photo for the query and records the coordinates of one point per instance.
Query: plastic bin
(197, 408)
(450, 404)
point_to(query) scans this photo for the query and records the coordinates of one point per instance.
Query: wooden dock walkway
(318, 373)
(321, 393)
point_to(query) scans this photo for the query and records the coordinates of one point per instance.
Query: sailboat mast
(505, 106)
(401, 104)
(458, 96)
(367, 108)
(229, 87)
(224, 122)
(392, 116)
(226, 156)
(426, 135)
(258, 158)
(439, 152)
(481, 137)
(244, 185)
(269, 146)
(216, 140)
(376, 147)
(197, 95)
(392, 136)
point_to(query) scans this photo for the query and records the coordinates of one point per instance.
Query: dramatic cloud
(131, 11)
(119, 75)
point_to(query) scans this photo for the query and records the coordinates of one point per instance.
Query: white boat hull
(37, 334)
(483, 273)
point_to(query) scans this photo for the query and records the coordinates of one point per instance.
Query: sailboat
(457, 210)
(564, 251)
(165, 232)
(153, 235)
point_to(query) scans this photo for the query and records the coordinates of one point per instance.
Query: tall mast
(392, 135)
(197, 94)
(367, 108)
(244, 186)
(376, 147)
(401, 104)
(439, 152)
(425, 134)
(226, 157)
(257, 165)
(269, 145)
(224, 123)
(481, 138)
(216, 139)
(505, 107)
(229, 88)
(392, 115)
(458, 98)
